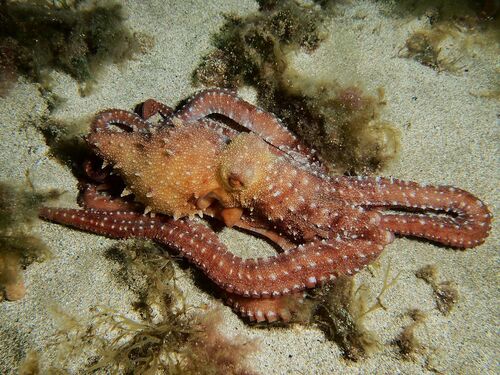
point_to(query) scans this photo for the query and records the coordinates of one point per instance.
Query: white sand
(448, 136)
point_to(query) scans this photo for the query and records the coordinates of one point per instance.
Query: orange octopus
(264, 181)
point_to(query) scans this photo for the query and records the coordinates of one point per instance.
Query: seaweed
(411, 348)
(424, 46)
(252, 49)
(74, 37)
(477, 12)
(30, 365)
(340, 310)
(168, 337)
(343, 123)
(181, 343)
(18, 246)
(445, 292)
(149, 273)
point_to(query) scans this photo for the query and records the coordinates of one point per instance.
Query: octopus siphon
(151, 179)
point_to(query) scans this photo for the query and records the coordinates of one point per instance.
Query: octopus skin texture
(157, 177)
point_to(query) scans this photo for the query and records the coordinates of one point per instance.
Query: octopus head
(166, 170)
(244, 164)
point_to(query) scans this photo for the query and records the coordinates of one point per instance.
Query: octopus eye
(244, 163)
(240, 180)
(235, 182)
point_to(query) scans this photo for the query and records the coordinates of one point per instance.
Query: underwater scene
(249, 187)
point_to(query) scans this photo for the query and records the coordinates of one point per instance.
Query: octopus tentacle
(91, 198)
(250, 225)
(151, 107)
(95, 173)
(265, 124)
(291, 271)
(130, 120)
(224, 130)
(255, 225)
(453, 217)
(258, 310)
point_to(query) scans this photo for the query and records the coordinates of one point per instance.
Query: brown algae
(74, 37)
(445, 292)
(340, 311)
(168, 337)
(407, 342)
(18, 246)
(343, 123)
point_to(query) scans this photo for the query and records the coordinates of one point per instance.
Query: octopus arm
(255, 309)
(130, 121)
(264, 124)
(91, 198)
(289, 272)
(153, 107)
(444, 214)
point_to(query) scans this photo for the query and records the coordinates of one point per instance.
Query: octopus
(157, 171)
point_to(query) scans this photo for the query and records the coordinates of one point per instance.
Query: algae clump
(343, 123)
(18, 246)
(74, 37)
(445, 292)
(407, 342)
(340, 311)
(451, 29)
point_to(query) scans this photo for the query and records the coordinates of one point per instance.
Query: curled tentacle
(291, 271)
(443, 214)
(95, 170)
(151, 107)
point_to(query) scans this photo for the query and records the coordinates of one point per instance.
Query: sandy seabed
(449, 136)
